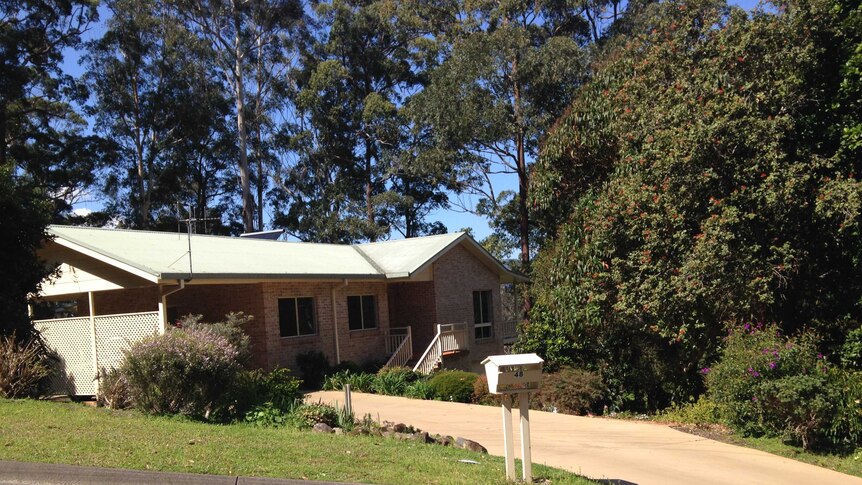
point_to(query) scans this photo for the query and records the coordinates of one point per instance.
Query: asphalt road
(19, 473)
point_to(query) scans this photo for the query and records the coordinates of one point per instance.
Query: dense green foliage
(767, 384)
(705, 177)
(45, 159)
(453, 385)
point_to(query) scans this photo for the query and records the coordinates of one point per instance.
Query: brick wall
(457, 274)
(413, 305)
(132, 300)
(213, 302)
(359, 346)
(260, 300)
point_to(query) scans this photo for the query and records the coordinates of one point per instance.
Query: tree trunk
(142, 174)
(523, 184)
(258, 114)
(239, 93)
(369, 209)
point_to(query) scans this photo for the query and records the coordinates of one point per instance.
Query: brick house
(422, 302)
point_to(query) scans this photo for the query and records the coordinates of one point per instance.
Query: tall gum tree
(246, 37)
(509, 68)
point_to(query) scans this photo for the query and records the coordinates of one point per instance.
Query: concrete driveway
(619, 451)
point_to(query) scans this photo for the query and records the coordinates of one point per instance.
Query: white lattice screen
(71, 339)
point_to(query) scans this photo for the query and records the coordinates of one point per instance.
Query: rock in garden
(423, 437)
(338, 431)
(399, 428)
(322, 428)
(469, 445)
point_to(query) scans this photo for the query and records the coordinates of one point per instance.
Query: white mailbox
(513, 374)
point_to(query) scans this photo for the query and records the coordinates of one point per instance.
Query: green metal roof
(162, 256)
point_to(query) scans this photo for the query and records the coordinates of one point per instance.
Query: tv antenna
(191, 224)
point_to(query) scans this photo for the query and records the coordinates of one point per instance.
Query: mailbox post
(512, 375)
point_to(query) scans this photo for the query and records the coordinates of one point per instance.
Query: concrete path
(21, 473)
(618, 451)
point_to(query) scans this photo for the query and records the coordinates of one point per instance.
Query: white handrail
(400, 346)
(450, 337)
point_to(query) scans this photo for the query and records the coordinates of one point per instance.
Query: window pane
(477, 307)
(483, 331)
(354, 312)
(486, 306)
(306, 316)
(287, 317)
(369, 312)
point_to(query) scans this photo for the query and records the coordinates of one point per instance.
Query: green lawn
(850, 463)
(75, 434)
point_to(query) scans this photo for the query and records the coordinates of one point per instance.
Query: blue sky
(454, 219)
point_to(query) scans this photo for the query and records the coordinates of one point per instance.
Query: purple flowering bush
(773, 385)
(184, 371)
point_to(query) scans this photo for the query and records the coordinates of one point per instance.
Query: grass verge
(69, 433)
(702, 418)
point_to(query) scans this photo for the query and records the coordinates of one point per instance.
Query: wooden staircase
(451, 339)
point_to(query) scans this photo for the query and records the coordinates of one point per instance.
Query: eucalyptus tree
(509, 69)
(253, 43)
(154, 98)
(351, 135)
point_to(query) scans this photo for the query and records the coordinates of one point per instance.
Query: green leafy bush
(572, 391)
(851, 350)
(184, 371)
(420, 389)
(313, 366)
(113, 390)
(266, 415)
(23, 368)
(768, 384)
(309, 414)
(701, 412)
(453, 385)
(394, 381)
(359, 382)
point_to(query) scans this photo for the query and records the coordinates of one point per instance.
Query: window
(361, 312)
(295, 316)
(482, 314)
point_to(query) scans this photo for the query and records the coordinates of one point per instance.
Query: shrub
(23, 368)
(420, 389)
(266, 416)
(309, 414)
(453, 385)
(851, 350)
(313, 366)
(481, 394)
(763, 377)
(183, 371)
(231, 328)
(702, 412)
(394, 381)
(359, 382)
(572, 391)
(113, 390)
